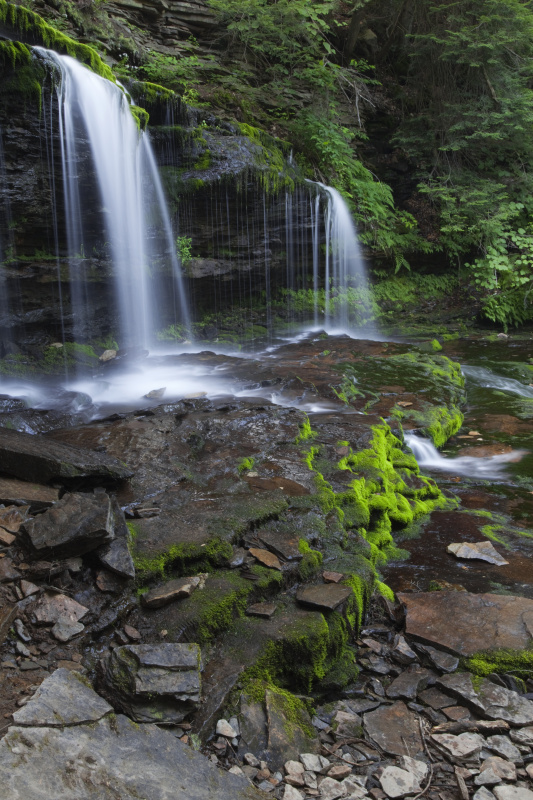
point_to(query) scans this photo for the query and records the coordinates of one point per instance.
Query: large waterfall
(132, 222)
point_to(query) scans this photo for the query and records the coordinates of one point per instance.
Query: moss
(311, 561)
(180, 558)
(141, 117)
(385, 591)
(35, 30)
(203, 161)
(152, 93)
(305, 432)
(270, 159)
(246, 465)
(516, 662)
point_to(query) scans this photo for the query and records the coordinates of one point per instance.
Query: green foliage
(471, 112)
(173, 73)
(517, 662)
(184, 250)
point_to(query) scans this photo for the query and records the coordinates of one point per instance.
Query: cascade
(428, 457)
(344, 263)
(124, 214)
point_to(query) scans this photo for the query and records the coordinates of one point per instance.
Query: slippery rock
(76, 524)
(40, 459)
(480, 621)
(495, 770)
(116, 555)
(52, 608)
(397, 782)
(512, 793)
(464, 747)
(62, 699)
(489, 700)
(395, 729)
(155, 683)
(170, 591)
(23, 493)
(325, 597)
(481, 551)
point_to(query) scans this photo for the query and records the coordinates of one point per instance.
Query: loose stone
(225, 729)
(397, 782)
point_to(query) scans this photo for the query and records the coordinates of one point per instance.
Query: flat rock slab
(62, 699)
(488, 699)
(52, 608)
(395, 729)
(286, 738)
(40, 459)
(407, 685)
(170, 591)
(325, 596)
(265, 557)
(22, 493)
(397, 782)
(261, 610)
(76, 524)
(481, 551)
(111, 758)
(480, 621)
(155, 683)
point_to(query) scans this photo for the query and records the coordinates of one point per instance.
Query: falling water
(428, 457)
(345, 267)
(489, 380)
(131, 213)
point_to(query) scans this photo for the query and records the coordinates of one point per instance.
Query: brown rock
(35, 495)
(324, 596)
(54, 607)
(28, 588)
(456, 713)
(480, 621)
(339, 772)
(168, 592)
(8, 572)
(265, 557)
(332, 577)
(6, 538)
(482, 551)
(11, 519)
(261, 610)
(395, 729)
(132, 633)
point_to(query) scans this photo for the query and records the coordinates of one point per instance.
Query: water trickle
(428, 457)
(120, 212)
(490, 380)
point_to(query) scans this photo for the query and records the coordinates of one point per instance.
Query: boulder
(489, 700)
(481, 551)
(155, 683)
(76, 524)
(65, 698)
(40, 459)
(395, 729)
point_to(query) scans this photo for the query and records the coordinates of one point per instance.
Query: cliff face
(236, 204)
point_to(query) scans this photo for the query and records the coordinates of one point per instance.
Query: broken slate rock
(488, 699)
(402, 653)
(464, 747)
(331, 789)
(407, 685)
(480, 621)
(54, 607)
(287, 738)
(76, 524)
(265, 557)
(155, 683)
(266, 610)
(62, 699)
(32, 457)
(397, 782)
(512, 793)
(442, 661)
(326, 596)
(109, 759)
(23, 493)
(503, 746)
(11, 519)
(395, 729)
(116, 555)
(168, 592)
(481, 551)
(8, 573)
(66, 629)
(495, 770)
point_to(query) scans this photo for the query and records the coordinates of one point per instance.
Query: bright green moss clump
(311, 561)
(517, 662)
(141, 117)
(34, 30)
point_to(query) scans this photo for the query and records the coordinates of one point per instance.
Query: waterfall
(345, 268)
(428, 457)
(114, 204)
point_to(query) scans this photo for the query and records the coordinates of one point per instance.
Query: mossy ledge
(33, 30)
(516, 662)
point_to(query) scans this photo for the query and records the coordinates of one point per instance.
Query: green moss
(246, 465)
(35, 30)
(180, 558)
(152, 93)
(311, 561)
(141, 117)
(270, 159)
(517, 662)
(385, 591)
(203, 161)
(305, 432)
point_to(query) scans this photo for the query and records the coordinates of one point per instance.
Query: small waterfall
(489, 380)
(121, 211)
(345, 277)
(428, 457)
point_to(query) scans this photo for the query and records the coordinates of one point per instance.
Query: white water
(133, 215)
(429, 457)
(345, 267)
(488, 379)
